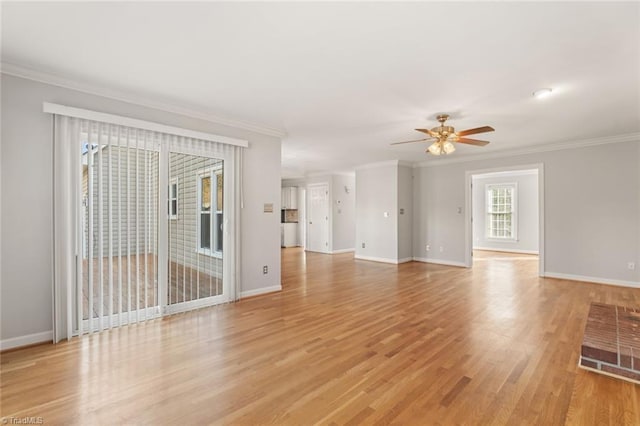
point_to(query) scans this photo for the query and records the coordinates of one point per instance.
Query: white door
(318, 218)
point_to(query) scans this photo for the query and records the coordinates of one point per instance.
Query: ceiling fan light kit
(446, 137)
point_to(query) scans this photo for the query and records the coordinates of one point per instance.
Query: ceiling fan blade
(483, 129)
(417, 140)
(429, 132)
(470, 141)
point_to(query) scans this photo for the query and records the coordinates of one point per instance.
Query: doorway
(318, 218)
(505, 214)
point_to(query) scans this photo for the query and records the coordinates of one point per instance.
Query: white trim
(383, 259)
(554, 146)
(507, 173)
(468, 214)
(440, 261)
(259, 291)
(140, 124)
(506, 250)
(205, 302)
(595, 280)
(47, 78)
(399, 163)
(174, 181)
(349, 250)
(606, 373)
(26, 340)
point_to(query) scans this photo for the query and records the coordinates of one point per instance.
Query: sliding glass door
(145, 251)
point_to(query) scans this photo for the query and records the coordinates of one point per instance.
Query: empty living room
(300, 213)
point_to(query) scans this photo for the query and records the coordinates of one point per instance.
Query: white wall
(405, 213)
(343, 206)
(526, 211)
(591, 206)
(27, 203)
(377, 194)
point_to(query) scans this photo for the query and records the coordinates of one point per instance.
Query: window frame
(212, 172)
(489, 188)
(173, 216)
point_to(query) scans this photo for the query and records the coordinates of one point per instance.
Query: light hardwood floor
(345, 342)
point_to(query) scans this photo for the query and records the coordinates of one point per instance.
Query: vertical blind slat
(100, 230)
(90, 230)
(128, 177)
(80, 243)
(119, 210)
(110, 223)
(137, 212)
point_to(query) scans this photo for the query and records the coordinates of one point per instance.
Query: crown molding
(582, 143)
(56, 80)
(399, 163)
(506, 173)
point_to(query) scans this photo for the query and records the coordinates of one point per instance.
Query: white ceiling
(346, 79)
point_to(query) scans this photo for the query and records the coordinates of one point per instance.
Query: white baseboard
(259, 291)
(440, 261)
(595, 280)
(316, 251)
(507, 250)
(29, 339)
(382, 259)
(349, 250)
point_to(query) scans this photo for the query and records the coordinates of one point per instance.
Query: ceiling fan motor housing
(444, 130)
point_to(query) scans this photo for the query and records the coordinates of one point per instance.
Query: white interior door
(318, 218)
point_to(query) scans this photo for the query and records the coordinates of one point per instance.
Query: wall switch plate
(385, 214)
(428, 247)
(441, 249)
(631, 266)
(265, 269)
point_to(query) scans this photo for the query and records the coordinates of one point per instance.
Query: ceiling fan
(445, 136)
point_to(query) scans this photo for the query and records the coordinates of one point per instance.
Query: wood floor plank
(345, 342)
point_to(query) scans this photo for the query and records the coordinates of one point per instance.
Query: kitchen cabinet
(290, 198)
(290, 234)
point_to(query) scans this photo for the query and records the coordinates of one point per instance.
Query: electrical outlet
(631, 266)
(428, 247)
(265, 269)
(362, 245)
(441, 249)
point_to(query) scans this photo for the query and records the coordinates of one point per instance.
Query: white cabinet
(290, 198)
(290, 235)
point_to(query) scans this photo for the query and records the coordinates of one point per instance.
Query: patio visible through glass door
(195, 230)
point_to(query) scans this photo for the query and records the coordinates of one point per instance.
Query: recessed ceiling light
(542, 93)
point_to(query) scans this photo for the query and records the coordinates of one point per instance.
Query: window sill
(502, 240)
(204, 252)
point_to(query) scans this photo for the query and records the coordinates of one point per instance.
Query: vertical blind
(115, 236)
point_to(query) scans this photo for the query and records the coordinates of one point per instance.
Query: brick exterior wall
(611, 342)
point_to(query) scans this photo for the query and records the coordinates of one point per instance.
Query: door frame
(468, 225)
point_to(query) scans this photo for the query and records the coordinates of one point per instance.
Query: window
(173, 199)
(501, 211)
(210, 217)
